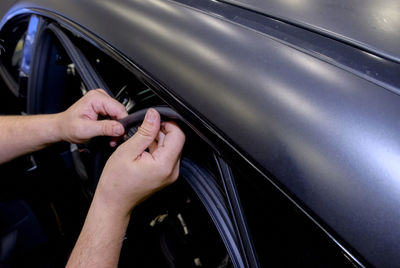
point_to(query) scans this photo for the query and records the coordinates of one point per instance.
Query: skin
(130, 175)
(20, 135)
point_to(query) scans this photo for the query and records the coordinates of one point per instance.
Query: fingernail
(118, 130)
(150, 116)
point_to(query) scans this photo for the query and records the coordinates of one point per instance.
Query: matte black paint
(371, 24)
(369, 66)
(329, 136)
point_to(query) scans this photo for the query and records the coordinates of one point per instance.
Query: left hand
(79, 122)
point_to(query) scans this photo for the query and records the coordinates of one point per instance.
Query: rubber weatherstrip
(216, 196)
(239, 219)
(167, 113)
(89, 76)
(137, 117)
(206, 189)
(203, 185)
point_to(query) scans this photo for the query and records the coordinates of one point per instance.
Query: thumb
(146, 133)
(105, 128)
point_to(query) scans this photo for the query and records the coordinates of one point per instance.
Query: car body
(304, 92)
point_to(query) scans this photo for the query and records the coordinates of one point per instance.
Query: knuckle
(143, 131)
(92, 92)
(122, 108)
(95, 93)
(106, 128)
(90, 96)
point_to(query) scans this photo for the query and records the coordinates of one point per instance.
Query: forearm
(130, 175)
(100, 241)
(24, 134)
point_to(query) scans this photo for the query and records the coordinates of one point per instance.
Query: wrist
(46, 128)
(101, 237)
(58, 131)
(112, 204)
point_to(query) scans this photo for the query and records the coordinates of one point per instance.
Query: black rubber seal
(136, 118)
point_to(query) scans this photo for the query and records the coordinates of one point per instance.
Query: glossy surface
(28, 46)
(372, 24)
(329, 136)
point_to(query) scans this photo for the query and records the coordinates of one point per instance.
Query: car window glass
(12, 38)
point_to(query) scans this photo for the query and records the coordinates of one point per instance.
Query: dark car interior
(218, 214)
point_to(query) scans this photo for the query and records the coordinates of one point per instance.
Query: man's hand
(132, 174)
(24, 134)
(79, 123)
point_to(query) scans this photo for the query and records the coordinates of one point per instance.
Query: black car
(291, 111)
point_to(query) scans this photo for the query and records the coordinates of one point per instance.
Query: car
(290, 109)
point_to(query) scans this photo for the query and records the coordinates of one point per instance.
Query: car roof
(371, 24)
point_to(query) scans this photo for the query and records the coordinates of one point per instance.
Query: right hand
(132, 174)
(79, 122)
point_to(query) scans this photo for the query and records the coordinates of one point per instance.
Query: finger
(160, 138)
(172, 145)
(159, 141)
(114, 141)
(107, 106)
(153, 146)
(103, 128)
(145, 135)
